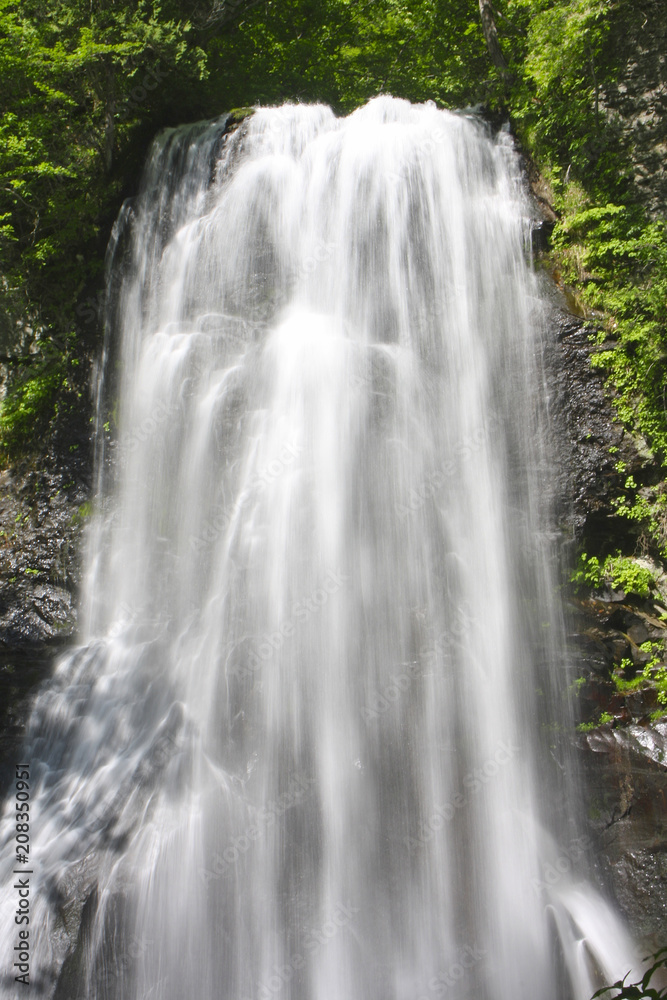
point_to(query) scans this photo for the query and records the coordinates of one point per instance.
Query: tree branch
(491, 36)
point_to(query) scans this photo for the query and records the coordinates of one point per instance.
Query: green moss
(82, 512)
(615, 257)
(237, 115)
(621, 674)
(653, 674)
(587, 727)
(618, 572)
(657, 672)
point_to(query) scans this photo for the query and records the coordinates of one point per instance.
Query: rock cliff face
(623, 764)
(43, 511)
(625, 769)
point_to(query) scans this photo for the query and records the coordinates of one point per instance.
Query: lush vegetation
(617, 572)
(85, 86)
(610, 243)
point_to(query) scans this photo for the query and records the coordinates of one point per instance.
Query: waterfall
(305, 747)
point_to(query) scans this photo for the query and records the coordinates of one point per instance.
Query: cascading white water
(297, 755)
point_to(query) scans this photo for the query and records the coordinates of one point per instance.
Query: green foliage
(642, 989)
(569, 51)
(653, 676)
(653, 673)
(76, 81)
(646, 507)
(587, 727)
(27, 411)
(342, 53)
(659, 678)
(618, 572)
(617, 258)
(588, 573)
(84, 84)
(622, 684)
(606, 248)
(70, 77)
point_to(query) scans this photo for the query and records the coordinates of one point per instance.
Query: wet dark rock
(615, 628)
(540, 236)
(76, 915)
(42, 518)
(584, 427)
(625, 770)
(623, 765)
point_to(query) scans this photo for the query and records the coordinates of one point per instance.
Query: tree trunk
(491, 36)
(223, 12)
(109, 117)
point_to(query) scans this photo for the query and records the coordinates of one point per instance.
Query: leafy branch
(642, 989)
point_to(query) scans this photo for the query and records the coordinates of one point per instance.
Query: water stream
(304, 748)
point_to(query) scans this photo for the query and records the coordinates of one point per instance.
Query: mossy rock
(238, 115)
